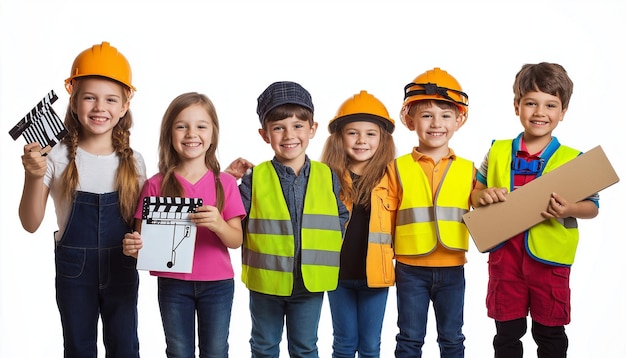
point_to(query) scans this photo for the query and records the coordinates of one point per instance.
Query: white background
(231, 50)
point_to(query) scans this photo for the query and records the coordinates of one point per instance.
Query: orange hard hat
(101, 60)
(362, 107)
(435, 84)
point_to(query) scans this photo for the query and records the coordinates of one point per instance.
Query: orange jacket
(379, 261)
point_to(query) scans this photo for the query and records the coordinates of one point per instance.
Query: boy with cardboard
(530, 271)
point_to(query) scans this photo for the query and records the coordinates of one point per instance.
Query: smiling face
(192, 131)
(289, 139)
(99, 104)
(539, 113)
(435, 125)
(360, 142)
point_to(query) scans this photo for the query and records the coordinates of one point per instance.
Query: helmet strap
(433, 89)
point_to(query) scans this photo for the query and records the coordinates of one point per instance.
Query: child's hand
(34, 163)
(557, 208)
(132, 243)
(492, 195)
(239, 167)
(209, 217)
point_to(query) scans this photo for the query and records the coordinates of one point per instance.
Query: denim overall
(94, 278)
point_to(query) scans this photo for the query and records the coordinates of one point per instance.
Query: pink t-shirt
(211, 260)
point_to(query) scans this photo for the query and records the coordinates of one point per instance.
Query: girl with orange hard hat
(358, 149)
(94, 178)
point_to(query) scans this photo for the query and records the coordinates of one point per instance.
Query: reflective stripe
(266, 226)
(424, 215)
(423, 220)
(379, 238)
(319, 221)
(568, 223)
(268, 247)
(415, 215)
(267, 261)
(320, 258)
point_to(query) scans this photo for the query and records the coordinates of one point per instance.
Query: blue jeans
(180, 301)
(357, 313)
(416, 287)
(94, 279)
(300, 311)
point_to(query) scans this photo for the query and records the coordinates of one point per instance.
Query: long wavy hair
(127, 174)
(336, 157)
(169, 158)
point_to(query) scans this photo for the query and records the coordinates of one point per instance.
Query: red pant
(519, 284)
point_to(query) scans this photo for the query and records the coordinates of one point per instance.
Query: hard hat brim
(339, 122)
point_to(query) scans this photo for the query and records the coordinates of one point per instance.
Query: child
(293, 230)
(359, 148)
(431, 186)
(188, 167)
(94, 178)
(530, 271)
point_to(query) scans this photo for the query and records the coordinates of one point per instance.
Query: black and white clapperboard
(41, 125)
(168, 235)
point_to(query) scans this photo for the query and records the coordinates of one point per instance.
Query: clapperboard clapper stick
(41, 125)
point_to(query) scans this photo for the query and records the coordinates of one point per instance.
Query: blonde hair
(127, 174)
(169, 158)
(336, 157)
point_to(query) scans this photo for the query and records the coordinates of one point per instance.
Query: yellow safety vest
(421, 221)
(553, 241)
(268, 246)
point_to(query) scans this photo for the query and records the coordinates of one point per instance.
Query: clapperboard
(168, 235)
(41, 125)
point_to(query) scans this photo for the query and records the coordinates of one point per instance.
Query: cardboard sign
(575, 180)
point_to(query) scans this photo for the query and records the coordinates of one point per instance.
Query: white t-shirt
(96, 174)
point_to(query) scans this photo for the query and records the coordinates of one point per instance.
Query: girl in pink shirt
(188, 167)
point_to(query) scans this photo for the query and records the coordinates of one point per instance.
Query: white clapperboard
(168, 235)
(41, 125)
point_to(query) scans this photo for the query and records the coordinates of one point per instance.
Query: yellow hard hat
(101, 60)
(362, 107)
(436, 84)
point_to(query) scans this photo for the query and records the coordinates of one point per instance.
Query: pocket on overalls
(69, 261)
(122, 268)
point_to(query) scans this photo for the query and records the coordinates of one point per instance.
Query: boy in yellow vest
(429, 189)
(530, 271)
(293, 230)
